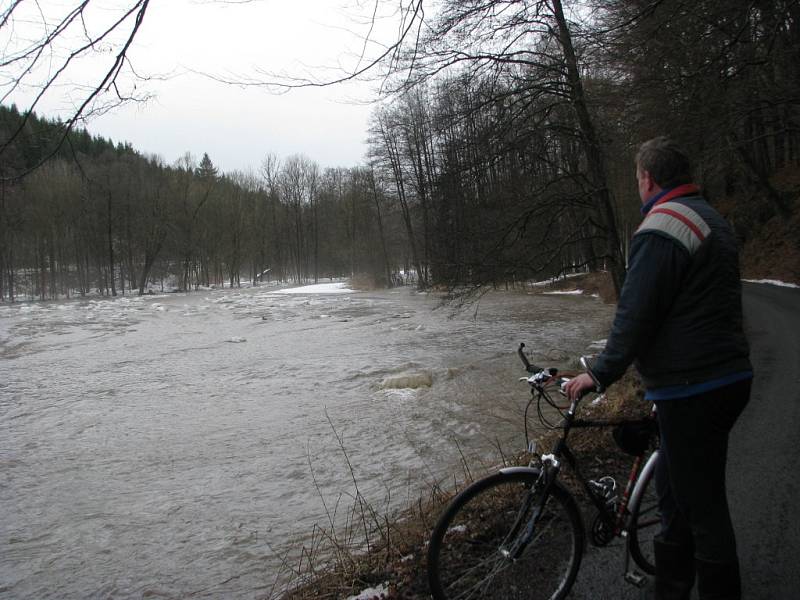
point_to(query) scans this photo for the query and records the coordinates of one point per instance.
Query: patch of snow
(564, 293)
(339, 287)
(457, 529)
(371, 593)
(552, 280)
(772, 282)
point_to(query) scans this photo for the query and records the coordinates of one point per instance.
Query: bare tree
(57, 39)
(298, 182)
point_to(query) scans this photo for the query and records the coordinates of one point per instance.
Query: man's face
(646, 185)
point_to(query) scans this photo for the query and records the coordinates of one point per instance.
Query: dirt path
(763, 466)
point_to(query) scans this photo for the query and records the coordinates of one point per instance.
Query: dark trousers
(690, 477)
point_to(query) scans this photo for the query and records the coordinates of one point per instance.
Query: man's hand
(577, 386)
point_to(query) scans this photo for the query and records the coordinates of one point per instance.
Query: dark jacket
(680, 310)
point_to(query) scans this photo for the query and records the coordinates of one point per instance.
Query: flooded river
(164, 446)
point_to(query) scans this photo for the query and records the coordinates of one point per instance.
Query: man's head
(661, 164)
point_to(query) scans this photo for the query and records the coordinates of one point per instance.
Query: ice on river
(174, 445)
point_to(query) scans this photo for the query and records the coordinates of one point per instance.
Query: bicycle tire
(465, 558)
(644, 524)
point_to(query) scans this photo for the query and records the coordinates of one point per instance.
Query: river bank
(394, 564)
(385, 558)
(382, 556)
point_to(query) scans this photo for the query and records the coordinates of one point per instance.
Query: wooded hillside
(103, 218)
(503, 151)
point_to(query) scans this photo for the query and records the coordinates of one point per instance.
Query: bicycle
(519, 534)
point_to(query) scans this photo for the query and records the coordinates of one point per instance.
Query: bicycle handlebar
(546, 373)
(549, 376)
(528, 366)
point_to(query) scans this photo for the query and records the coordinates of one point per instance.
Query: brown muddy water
(164, 446)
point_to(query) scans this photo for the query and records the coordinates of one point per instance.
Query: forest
(501, 151)
(102, 218)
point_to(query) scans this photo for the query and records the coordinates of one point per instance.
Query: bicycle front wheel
(496, 540)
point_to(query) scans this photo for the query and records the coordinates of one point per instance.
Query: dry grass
(770, 244)
(599, 284)
(774, 251)
(375, 549)
(364, 282)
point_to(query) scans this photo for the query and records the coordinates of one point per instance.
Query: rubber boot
(674, 571)
(718, 580)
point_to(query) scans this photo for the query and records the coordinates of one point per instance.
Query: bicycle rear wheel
(468, 555)
(644, 524)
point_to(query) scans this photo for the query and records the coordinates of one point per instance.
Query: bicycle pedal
(636, 579)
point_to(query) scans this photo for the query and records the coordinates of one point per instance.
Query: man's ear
(648, 181)
(651, 187)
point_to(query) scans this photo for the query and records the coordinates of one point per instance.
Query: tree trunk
(110, 246)
(594, 155)
(394, 158)
(388, 268)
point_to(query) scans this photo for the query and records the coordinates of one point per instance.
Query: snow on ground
(552, 280)
(369, 594)
(339, 287)
(578, 292)
(564, 293)
(772, 282)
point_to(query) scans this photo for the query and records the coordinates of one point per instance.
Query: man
(679, 318)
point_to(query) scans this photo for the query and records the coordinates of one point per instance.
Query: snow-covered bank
(338, 287)
(772, 282)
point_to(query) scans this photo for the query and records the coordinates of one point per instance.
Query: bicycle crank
(602, 532)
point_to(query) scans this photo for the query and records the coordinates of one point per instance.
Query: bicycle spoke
(487, 524)
(483, 585)
(501, 563)
(476, 567)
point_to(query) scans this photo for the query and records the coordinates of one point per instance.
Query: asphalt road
(764, 455)
(763, 464)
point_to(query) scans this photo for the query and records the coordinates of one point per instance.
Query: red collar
(682, 190)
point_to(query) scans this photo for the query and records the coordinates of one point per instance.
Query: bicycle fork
(528, 516)
(519, 543)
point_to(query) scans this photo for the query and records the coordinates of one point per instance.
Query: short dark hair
(665, 160)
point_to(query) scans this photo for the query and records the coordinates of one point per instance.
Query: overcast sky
(238, 126)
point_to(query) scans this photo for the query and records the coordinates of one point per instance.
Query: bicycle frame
(561, 451)
(527, 517)
(494, 521)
